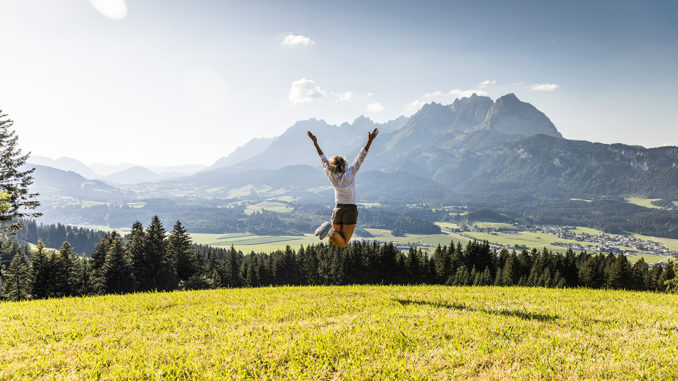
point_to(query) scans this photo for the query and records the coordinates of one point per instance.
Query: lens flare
(113, 9)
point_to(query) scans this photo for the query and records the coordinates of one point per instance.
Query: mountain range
(474, 148)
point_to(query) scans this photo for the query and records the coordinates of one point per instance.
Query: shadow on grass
(463, 307)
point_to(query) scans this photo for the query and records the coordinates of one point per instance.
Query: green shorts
(345, 214)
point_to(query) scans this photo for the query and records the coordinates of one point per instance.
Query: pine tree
(136, 244)
(414, 266)
(161, 269)
(213, 268)
(510, 271)
(179, 247)
(14, 181)
(66, 276)
(117, 270)
(619, 273)
(16, 285)
(486, 277)
(639, 273)
(653, 277)
(671, 282)
(590, 274)
(232, 269)
(665, 278)
(40, 273)
(98, 258)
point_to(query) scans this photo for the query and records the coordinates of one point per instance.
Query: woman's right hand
(313, 138)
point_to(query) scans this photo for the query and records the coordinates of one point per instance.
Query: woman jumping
(345, 213)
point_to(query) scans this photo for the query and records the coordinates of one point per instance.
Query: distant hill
(55, 183)
(252, 148)
(135, 175)
(479, 146)
(176, 170)
(65, 164)
(474, 148)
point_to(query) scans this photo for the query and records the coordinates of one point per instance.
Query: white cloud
(375, 107)
(544, 86)
(445, 97)
(113, 9)
(305, 90)
(341, 97)
(370, 94)
(297, 39)
(486, 83)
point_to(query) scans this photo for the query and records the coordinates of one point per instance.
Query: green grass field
(352, 332)
(591, 231)
(644, 202)
(649, 258)
(265, 244)
(271, 206)
(448, 225)
(494, 225)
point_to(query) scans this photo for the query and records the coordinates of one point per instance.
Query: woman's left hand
(373, 134)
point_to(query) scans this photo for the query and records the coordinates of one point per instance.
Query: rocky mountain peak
(510, 115)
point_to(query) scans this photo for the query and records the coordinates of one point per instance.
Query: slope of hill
(549, 165)
(55, 183)
(476, 145)
(65, 164)
(250, 149)
(503, 154)
(135, 175)
(349, 332)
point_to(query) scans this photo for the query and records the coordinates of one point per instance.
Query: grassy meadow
(644, 202)
(347, 332)
(247, 243)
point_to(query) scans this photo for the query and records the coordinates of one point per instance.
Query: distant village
(605, 243)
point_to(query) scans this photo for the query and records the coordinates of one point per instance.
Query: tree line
(151, 259)
(82, 240)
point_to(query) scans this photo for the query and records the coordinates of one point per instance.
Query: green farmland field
(247, 243)
(644, 202)
(349, 332)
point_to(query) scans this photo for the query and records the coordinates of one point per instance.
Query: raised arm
(353, 169)
(315, 142)
(370, 138)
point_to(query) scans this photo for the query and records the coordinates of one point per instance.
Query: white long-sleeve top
(344, 183)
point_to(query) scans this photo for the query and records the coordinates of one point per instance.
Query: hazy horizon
(159, 85)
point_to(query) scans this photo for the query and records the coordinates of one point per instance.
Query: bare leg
(342, 234)
(347, 232)
(336, 237)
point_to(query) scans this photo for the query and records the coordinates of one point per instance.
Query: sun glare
(113, 9)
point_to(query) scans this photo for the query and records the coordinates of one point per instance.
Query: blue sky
(176, 82)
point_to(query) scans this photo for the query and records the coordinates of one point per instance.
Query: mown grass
(649, 258)
(494, 225)
(448, 225)
(644, 202)
(351, 332)
(265, 244)
(591, 231)
(271, 206)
